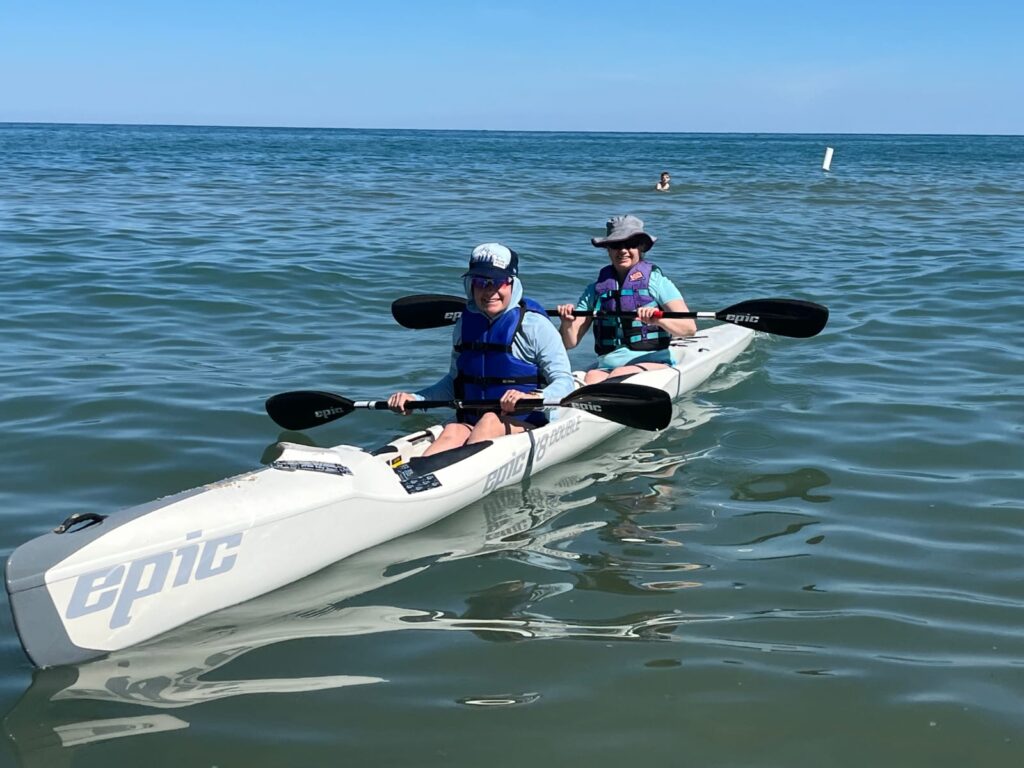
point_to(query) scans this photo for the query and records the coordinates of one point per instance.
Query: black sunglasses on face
(633, 242)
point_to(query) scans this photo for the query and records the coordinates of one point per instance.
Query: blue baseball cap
(494, 261)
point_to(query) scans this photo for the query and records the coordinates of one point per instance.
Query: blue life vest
(486, 366)
(633, 292)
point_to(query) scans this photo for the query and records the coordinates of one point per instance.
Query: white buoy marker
(827, 163)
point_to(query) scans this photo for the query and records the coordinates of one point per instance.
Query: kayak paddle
(633, 405)
(783, 317)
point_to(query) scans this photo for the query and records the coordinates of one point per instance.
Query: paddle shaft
(632, 405)
(785, 317)
(524, 405)
(632, 315)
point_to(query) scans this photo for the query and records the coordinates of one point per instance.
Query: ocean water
(820, 564)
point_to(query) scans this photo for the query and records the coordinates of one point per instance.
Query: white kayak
(98, 584)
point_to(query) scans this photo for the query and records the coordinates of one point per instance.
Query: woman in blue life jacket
(503, 348)
(629, 284)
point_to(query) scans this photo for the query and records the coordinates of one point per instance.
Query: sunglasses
(633, 242)
(490, 284)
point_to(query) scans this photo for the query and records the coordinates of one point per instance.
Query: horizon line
(491, 130)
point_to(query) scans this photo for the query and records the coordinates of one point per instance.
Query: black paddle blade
(633, 405)
(783, 317)
(303, 409)
(427, 310)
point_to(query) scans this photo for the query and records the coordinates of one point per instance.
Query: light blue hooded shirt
(537, 342)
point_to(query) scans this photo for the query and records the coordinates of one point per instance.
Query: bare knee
(452, 436)
(488, 427)
(627, 370)
(594, 376)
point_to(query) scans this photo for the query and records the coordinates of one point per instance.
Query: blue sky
(659, 65)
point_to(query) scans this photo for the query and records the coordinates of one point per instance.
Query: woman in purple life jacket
(628, 284)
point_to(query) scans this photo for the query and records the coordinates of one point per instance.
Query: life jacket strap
(482, 346)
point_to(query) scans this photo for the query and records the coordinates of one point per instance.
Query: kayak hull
(108, 583)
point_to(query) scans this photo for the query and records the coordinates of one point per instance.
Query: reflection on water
(500, 700)
(115, 728)
(529, 625)
(786, 485)
(789, 530)
(629, 569)
(500, 601)
(611, 576)
(45, 744)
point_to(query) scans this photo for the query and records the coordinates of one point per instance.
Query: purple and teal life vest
(486, 366)
(633, 292)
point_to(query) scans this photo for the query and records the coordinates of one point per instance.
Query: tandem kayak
(102, 583)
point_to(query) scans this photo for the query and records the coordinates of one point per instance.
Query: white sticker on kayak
(312, 466)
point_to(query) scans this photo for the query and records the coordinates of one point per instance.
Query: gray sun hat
(621, 229)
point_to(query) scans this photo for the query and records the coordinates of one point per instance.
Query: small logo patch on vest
(636, 276)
